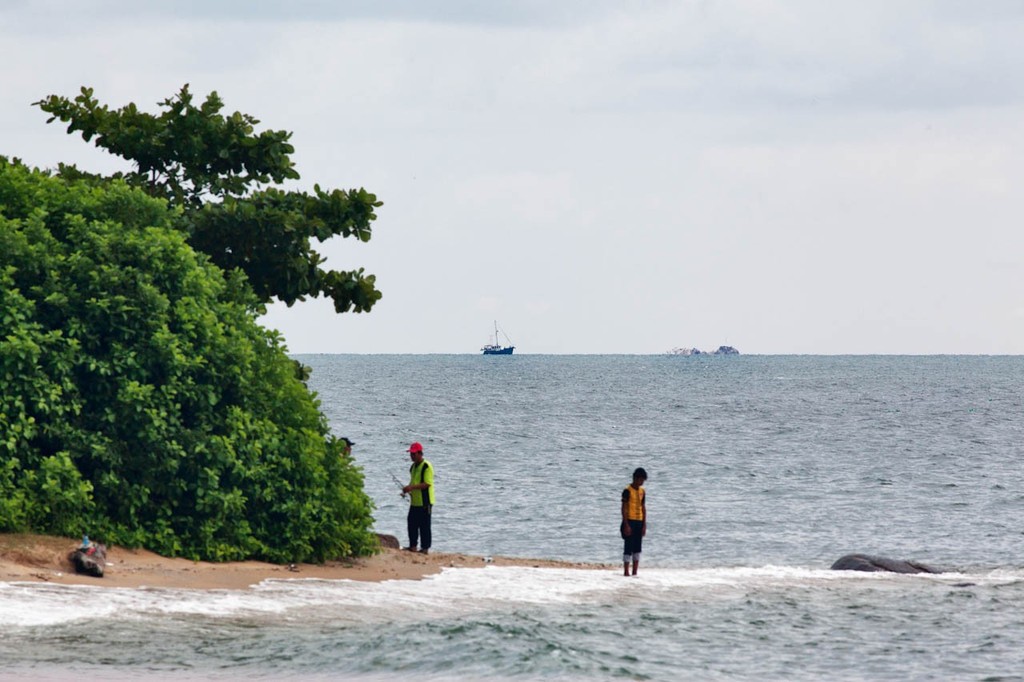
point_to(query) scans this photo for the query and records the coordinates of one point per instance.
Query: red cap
(415, 447)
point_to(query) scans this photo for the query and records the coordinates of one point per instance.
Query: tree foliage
(141, 401)
(216, 168)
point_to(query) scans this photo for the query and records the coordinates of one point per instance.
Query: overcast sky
(795, 176)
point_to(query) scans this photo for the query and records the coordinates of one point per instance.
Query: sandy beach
(40, 558)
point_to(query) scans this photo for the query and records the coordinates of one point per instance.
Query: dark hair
(641, 472)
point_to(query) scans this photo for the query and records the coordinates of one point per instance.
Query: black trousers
(419, 526)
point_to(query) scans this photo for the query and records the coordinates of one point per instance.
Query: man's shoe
(409, 549)
(424, 551)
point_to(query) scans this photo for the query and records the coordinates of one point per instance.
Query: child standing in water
(634, 520)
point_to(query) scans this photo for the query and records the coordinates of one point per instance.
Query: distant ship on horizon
(496, 348)
(722, 350)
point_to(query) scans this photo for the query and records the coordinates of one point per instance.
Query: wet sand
(38, 558)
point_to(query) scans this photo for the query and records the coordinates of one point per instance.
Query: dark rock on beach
(388, 541)
(90, 560)
(866, 562)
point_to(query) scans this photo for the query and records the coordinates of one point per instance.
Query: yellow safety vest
(421, 473)
(635, 507)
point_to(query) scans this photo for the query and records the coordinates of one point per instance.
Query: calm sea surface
(763, 471)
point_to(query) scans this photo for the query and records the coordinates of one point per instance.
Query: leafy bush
(141, 401)
(221, 173)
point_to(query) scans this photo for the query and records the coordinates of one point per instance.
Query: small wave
(451, 593)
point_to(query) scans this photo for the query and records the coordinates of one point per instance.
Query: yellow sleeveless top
(635, 507)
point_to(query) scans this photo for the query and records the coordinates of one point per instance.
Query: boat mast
(496, 342)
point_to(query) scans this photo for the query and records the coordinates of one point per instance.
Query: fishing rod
(399, 484)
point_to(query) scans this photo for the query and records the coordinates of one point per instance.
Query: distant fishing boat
(496, 348)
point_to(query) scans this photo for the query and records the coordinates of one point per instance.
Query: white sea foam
(450, 593)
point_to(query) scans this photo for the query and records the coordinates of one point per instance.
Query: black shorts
(635, 540)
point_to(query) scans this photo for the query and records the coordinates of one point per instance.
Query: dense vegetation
(141, 402)
(215, 168)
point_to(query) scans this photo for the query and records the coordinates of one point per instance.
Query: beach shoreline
(44, 559)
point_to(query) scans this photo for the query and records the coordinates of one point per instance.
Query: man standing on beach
(634, 520)
(421, 499)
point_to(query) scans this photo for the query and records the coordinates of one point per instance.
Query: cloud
(467, 12)
(779, 175)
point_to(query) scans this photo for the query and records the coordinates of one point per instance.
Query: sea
(763, 470)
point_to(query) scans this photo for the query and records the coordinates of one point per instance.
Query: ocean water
(763, 471)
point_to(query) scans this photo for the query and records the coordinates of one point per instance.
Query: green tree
(216, 168)
(141, 401)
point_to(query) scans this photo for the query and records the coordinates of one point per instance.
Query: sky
(597, 176)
